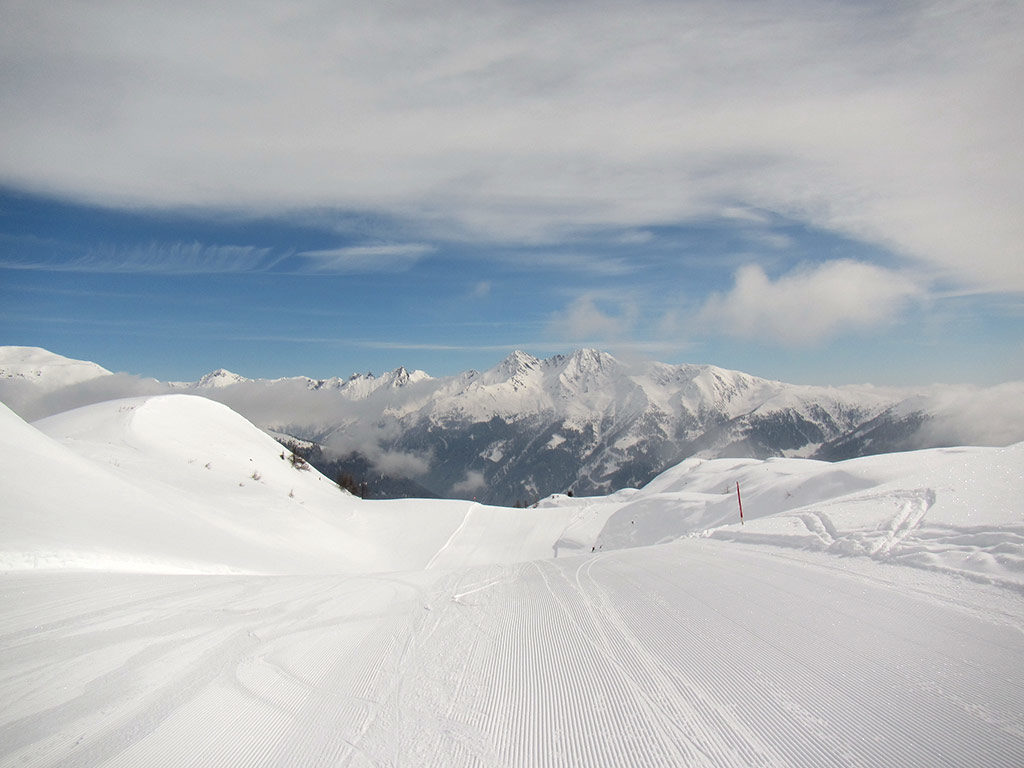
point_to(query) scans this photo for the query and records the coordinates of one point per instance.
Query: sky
(818, 192)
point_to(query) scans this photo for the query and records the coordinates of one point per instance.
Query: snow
(496, 452)
(30, 374)
(194, 487)
(174, 592)
(957, 510)
(219, 379)
(621, 420)
(168, 481)
(45, 370)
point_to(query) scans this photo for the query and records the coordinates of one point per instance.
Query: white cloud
(899, 123)
(25, 399)
(363, 436)
(972, 416)
(366, 258)
(400, 463)
(594, 318)
(809, 304)
(473, 482)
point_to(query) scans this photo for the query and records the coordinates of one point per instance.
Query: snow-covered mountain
(44, 370)
(589, 423)
(585, 422)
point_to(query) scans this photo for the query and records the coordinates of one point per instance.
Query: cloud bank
(808, 305)
(974, 416)
(899, 124)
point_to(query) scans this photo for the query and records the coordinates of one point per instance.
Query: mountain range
(585, 422)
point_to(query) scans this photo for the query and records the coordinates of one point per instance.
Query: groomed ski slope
(447, 633)
(696, 653)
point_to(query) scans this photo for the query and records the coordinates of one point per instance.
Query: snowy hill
(182, 484)
(146, 485)
(45, 370)
(176, 592)
(587, 422)
(29, 375)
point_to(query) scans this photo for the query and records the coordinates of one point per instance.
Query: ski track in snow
(990, 554)
(451, 539)
(696, 653)
(899, 527)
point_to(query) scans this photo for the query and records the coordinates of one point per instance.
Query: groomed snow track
(696, 653)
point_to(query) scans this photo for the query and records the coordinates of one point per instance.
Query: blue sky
(815, 192)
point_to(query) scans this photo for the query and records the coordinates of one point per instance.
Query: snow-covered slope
(449, 633)
(182, 484)
(161, 485)
(958, 510)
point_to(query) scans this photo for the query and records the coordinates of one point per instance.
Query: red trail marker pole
(740, 502)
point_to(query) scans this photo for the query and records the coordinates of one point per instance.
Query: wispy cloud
(365, 258)
(807, 305)
(430, 346)
(570, 259)
(51, 290)
(157, 258)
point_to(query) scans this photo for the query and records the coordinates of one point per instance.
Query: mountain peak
(518, 357)
(591, 359)
(517, 362)
(586, 365)
(220, 378)
(402, 376)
